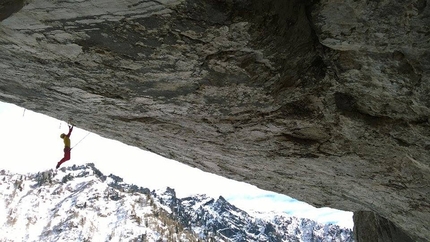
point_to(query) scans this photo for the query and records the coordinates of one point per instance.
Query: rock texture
(79, 203)
(377, 229)
(326, 101)
(218, 220)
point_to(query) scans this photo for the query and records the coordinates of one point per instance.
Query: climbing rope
(80, 140)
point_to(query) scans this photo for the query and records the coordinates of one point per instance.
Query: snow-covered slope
(219, 220)
(79, 203)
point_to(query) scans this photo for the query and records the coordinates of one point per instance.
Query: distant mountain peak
(80, 203)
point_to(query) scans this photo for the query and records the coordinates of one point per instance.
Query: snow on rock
(218, 220)
(79, 203)
(324, 101)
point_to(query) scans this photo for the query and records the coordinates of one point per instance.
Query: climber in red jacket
(66, 139)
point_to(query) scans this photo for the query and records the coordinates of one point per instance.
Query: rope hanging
(80, 140)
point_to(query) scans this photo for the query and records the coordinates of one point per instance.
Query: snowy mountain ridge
(79, 203)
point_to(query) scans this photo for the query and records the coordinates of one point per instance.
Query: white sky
(30, 142)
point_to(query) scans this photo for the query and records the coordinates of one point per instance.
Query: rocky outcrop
(218, 220)
(370, 227)
(9, 7)
(325, 101)
(82, 204)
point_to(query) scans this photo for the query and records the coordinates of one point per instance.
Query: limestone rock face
(325, 101)
(373, 228)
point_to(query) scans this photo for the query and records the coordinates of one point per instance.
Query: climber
(67, 148)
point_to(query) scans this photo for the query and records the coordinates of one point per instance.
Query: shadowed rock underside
(324, 101)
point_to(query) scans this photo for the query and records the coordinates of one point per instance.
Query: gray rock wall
(370, 227)
(325, 101)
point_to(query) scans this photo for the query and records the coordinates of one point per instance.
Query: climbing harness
(80, 140)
